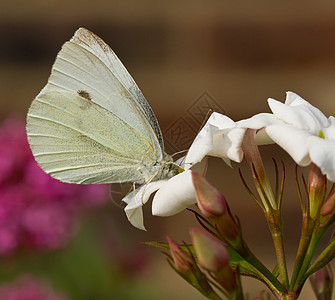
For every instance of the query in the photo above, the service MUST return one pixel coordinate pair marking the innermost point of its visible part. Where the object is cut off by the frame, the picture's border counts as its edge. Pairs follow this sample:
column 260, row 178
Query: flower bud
column 181, row 258
column 328, row 209
column 186, row 266
column 213, row 205
column 213, row 256
column 316, row 189
column 211, row 202
column 322, row 283
column 211, row 252
column 256, row 165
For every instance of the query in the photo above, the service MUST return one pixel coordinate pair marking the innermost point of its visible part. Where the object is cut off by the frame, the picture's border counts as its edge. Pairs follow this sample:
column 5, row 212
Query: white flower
column 305, row 133
column 220, row 137
column 173, row 196
column 301, row 129
column 177, row 194
column 136, row 199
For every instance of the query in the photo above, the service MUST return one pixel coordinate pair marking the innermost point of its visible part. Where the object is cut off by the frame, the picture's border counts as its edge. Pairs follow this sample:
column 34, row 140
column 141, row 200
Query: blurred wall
column 241, row 53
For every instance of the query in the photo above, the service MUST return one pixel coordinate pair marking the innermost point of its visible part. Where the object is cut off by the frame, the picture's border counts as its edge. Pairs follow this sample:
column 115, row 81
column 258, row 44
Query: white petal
column 329, row 132
column 262, row 138
column 331, row 121
column 294, row 141
column 322, row 153
column 219, row 137
column 303, row 116
column 258, row 121
column 227, row 144
column 293, row 99
column 200, row 167
column 137, row 199
column 200, row 147
column 176, row 195
column 220, row 121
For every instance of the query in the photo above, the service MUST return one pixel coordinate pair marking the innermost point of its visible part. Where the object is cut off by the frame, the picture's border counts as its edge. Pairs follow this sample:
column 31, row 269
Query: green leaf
column 237, row 262
column 160, row 245
column 326, row 256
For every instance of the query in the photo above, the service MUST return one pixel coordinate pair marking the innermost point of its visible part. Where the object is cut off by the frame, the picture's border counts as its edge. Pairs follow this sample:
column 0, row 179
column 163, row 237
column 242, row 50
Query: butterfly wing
column 99, row 48
column 76, row 140
column 79, row 71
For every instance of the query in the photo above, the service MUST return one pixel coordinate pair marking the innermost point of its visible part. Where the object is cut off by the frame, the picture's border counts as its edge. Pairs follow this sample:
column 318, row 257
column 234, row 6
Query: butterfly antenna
column 116, row 193
column 146, row 184
column 176, row 153
column 209, row 112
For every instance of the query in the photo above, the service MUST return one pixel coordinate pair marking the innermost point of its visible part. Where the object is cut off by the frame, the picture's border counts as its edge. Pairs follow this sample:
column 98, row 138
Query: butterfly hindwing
column 77, row 141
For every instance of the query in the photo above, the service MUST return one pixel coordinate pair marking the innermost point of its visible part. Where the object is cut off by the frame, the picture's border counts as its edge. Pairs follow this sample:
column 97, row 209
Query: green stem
column 239, row 292
column 199, row 281
column 306, row 235
column 275, row 225
column 316, row 236
column 263, row 272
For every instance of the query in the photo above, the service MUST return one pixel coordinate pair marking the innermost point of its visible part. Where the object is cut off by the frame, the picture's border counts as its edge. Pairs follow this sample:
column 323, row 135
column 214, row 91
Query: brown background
column 240, row 52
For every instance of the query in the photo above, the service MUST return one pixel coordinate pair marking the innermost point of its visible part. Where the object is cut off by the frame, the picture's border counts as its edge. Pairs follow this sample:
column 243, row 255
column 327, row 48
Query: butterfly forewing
column 99, row 48
column 78, row 71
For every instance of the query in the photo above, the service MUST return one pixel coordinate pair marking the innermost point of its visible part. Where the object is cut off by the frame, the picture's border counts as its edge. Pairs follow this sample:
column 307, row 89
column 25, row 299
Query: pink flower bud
column 213, row 256
column 210, row 201
column 181, row 258
column 328, row 209
column 316, row 188
column 213, row 205
column 322, row 283
column 211, row 252
column 186, row 266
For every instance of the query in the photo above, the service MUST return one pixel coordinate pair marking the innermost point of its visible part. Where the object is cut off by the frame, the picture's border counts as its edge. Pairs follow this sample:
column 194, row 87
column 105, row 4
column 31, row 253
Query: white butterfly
column 91, row 124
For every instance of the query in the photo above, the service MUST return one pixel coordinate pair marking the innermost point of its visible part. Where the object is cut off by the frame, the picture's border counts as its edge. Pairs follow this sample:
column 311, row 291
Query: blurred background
column 235, row 53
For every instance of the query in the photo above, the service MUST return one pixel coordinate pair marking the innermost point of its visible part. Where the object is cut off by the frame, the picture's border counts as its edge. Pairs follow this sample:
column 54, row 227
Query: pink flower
column 36, row 211
column 28, row 288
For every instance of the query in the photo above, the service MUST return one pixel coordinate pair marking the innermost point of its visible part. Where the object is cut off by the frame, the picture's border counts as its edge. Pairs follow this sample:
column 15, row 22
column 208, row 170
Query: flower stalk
column 306, row 235
column 271, row 208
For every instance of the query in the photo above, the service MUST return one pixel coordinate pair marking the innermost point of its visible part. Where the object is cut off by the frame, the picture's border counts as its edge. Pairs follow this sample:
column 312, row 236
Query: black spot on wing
column 84, row 94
